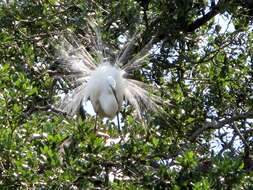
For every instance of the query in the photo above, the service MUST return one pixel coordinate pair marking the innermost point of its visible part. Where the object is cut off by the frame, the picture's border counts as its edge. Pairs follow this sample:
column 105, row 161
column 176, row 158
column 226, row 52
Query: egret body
column 103, row 83
column 106, row 90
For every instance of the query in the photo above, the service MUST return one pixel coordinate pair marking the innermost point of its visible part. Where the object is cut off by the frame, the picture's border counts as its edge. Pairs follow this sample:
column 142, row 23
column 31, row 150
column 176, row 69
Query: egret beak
column 115, row 96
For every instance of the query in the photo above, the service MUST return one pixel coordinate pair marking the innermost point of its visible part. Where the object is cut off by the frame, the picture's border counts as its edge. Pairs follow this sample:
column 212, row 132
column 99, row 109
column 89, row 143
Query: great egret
column 103, row 82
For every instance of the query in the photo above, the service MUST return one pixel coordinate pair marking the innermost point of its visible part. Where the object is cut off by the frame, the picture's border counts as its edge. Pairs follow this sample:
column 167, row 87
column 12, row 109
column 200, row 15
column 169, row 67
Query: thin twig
column 237, row 131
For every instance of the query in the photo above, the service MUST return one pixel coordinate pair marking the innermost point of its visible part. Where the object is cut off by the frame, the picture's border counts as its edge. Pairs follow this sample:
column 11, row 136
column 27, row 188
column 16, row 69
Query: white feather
column 100, row 89
column 103, row 83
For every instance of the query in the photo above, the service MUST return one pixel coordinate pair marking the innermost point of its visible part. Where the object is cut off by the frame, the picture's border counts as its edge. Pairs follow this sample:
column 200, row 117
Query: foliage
column 203, row 69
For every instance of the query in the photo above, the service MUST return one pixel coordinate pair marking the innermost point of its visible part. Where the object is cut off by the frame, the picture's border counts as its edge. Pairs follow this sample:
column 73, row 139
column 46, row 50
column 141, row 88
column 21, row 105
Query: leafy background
column 202, row 68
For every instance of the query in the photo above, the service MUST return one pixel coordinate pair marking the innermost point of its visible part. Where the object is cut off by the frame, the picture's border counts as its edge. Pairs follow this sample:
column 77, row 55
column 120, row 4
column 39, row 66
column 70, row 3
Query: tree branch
column 237, row 131
column 227, row 145
column 216, row 9
column 220, row 124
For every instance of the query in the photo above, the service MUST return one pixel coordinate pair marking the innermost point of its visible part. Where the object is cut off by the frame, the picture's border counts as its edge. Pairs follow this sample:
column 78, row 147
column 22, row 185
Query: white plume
column 100, row 80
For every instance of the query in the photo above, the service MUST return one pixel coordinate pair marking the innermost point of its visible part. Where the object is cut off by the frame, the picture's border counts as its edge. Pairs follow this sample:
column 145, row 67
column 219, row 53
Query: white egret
column 102, row 82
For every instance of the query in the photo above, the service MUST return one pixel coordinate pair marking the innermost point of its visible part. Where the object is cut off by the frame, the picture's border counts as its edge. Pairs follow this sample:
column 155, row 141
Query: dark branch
column 237, row 131
column 220, row 124
column 216, row 9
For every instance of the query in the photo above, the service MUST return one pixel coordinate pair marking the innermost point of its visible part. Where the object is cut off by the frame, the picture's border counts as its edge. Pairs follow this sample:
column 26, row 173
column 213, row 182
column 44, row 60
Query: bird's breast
column 105, row 105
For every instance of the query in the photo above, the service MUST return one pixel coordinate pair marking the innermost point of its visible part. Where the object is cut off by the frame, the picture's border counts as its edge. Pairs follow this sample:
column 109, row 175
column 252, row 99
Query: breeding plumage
column 102, row 82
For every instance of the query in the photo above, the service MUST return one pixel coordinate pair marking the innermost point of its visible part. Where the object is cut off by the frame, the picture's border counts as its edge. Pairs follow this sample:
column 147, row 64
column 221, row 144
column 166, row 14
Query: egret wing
column 72, row 101
column 76, row 61
column 137, row 94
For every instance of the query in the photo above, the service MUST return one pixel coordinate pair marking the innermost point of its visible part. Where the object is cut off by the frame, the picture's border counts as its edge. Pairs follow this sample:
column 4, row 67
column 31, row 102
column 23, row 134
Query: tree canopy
column 200, row 62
